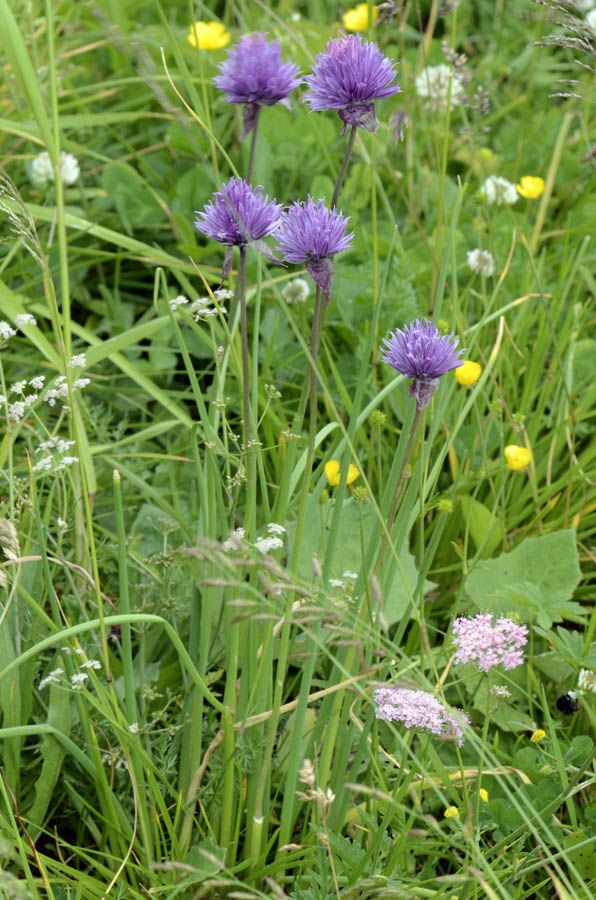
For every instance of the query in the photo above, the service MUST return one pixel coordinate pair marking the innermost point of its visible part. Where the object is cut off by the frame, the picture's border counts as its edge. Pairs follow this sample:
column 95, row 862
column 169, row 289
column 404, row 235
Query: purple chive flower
column 254, row 74
column 349, row 76
column 312, row 234
column 419, row 709
column 238, row 215
column 478, row 641
column 421, row 352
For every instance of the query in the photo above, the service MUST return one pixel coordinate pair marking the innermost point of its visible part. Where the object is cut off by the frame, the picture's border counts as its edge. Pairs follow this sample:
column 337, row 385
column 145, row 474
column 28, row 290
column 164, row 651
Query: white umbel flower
column 433, row 85
column 499, row 191
column 591, row 19
column 481, row 262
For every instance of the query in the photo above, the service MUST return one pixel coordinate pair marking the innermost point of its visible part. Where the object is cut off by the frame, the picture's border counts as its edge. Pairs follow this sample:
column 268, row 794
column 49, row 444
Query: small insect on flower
column 530, row 186
column 208, row 35
column 517, row 458
column 332, row 472
column 568, row 703
column 357, row 19
column 468, row 373
column 452, row 812
column 538, row 735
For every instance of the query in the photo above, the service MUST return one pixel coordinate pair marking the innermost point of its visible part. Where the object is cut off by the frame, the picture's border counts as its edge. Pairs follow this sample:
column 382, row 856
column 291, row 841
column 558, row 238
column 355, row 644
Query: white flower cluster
column 59, row 391
column 6, row 331
column 25, row 319
column 343, row 581
column 78, row 361
column 56, row 459
column 296, row 291
column 203, row 307
column 499, row 191
column 264, row 544
column 591, row 19
column 433, row 85
column 42, row 171
column 78, row 680
column 52, row 678
column 481, row 262
column 16, row 410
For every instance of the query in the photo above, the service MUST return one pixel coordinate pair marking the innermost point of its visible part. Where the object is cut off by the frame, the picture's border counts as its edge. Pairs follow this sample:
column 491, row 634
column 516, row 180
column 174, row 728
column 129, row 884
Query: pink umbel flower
column 420, row 710
column 486, row 645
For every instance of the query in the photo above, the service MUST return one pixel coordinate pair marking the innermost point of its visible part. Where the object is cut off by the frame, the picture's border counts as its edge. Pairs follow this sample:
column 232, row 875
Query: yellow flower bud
column 517, row 458
column 357, row 19
column 538, row 735
column 332, row 472
column 468, row 373
column 483, row 794
column 530, row 186
column 452, row 812
column 208, row 35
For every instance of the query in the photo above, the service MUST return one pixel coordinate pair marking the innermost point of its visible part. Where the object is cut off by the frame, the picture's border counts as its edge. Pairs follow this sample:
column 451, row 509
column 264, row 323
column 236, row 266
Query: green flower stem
column 130, row 704
column 247, row 434
column 253, row 145
column 344, row 166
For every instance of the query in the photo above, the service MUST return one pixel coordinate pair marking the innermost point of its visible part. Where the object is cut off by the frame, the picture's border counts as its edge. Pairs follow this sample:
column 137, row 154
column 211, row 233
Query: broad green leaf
column 536, row 580
column 485, row 528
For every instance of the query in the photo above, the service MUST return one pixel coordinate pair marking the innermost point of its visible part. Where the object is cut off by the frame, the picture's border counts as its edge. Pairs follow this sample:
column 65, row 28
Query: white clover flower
column 265, row 544
column 69, row 168
column 78, row 361
column 481, row 262
column 52, row 678
column 433, row 85
column 586, row 680
column 274, row 528
column 25, row 319
column 296, row 291
column 6, row 331
column 37, row 382
column 499, row 191
column 42, row 171
column 180, row 300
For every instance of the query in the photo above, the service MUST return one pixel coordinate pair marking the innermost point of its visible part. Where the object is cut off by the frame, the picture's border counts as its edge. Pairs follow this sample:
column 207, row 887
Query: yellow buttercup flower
column 332, row 472
column 530, row 186
column 468, row 373
column 538, row 735
column 452, row 812
column 517, row 458
column 208, row 35
column 483, row 794
column 357, row 19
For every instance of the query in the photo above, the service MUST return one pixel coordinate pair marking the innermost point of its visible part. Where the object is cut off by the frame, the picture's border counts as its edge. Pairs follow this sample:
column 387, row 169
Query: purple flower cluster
column 311, row 233
column 419, row 709
column 255, row 75
column 238, row 215
column 486, row 645
column 421, row 352
column 349, row 76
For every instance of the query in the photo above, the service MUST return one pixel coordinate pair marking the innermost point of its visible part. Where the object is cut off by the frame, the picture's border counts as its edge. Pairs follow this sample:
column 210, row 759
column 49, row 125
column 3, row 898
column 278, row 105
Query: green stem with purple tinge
column 253, row 144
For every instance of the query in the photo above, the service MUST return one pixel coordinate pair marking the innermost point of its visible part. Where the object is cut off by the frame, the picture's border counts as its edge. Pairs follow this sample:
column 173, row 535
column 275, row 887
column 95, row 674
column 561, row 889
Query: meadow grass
column 196, row 609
